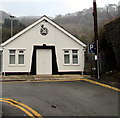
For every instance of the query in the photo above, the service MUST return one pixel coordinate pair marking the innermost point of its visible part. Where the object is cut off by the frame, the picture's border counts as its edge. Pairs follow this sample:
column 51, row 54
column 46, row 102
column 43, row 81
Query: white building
column 43, row 48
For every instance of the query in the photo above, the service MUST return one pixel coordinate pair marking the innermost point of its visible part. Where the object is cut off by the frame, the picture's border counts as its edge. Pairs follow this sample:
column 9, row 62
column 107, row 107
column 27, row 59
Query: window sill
column 76, row 64
column 71, row 64
column 67, row 64
column 18, row 65
column 12, row 65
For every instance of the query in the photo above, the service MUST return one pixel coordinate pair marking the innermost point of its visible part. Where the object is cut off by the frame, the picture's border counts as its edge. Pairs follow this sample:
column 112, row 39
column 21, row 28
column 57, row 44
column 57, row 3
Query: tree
column 6, row 28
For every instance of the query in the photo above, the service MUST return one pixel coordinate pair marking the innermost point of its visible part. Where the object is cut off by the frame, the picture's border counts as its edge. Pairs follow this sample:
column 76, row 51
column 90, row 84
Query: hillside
column 3, row 15
column 80, row 23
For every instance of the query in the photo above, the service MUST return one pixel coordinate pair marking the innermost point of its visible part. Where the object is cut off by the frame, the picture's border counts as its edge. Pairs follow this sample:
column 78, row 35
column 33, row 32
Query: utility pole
column 96, row 39
column 11, row 17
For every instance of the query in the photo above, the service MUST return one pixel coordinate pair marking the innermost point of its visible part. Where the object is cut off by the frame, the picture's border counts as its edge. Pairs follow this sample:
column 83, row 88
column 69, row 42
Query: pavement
column 41, row 77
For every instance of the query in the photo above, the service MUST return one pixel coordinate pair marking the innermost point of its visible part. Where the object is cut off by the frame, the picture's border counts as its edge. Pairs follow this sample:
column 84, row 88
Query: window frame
column 77, row 56
column 71, row 56
column 19, row 54
column 16, row 56
column 64, row 57
column 12, row 54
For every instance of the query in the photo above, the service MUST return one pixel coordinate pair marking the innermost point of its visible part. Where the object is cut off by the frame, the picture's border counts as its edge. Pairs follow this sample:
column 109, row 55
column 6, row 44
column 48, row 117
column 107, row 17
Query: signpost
column 96, row 39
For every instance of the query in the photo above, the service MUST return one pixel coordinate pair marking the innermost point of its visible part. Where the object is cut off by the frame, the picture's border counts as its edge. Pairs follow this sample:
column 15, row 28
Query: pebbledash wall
column 43, row 35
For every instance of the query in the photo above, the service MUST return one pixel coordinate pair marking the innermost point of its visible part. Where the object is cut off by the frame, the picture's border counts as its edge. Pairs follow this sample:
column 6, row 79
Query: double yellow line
column 28, row 110
column 86, row 80
column 101, row 84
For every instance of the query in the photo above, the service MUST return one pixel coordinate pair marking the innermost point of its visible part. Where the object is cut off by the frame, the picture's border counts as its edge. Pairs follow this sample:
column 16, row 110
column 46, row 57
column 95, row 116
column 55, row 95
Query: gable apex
column 44, row 18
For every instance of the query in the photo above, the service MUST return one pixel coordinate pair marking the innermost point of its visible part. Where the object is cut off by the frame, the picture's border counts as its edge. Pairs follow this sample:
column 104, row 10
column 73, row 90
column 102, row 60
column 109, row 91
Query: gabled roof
column 37, row 22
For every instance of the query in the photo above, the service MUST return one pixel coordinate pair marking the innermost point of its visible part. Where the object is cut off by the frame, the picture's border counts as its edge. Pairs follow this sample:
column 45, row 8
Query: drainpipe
column 3, row 65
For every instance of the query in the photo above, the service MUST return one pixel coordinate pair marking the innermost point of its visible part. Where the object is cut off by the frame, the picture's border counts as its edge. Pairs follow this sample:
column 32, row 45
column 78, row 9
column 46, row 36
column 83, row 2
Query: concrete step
column 42, row 77
column 60, row 76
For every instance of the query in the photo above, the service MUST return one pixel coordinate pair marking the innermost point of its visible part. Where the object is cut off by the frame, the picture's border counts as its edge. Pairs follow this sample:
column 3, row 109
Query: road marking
column 67, row 80
column 23, row 106
column 104, row 85
column 28, row 113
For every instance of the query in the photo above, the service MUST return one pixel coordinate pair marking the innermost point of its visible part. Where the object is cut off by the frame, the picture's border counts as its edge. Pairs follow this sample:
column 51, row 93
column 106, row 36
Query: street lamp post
column 96, row 39
column 11, row 17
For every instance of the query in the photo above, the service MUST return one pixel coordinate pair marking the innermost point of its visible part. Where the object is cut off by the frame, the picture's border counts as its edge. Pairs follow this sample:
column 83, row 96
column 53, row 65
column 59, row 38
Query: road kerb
column 49, row 80
column 101, row 84
column 57, row 80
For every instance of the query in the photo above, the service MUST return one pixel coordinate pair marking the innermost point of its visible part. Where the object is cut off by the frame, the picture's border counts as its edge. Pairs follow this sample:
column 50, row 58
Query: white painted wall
column 33, row 37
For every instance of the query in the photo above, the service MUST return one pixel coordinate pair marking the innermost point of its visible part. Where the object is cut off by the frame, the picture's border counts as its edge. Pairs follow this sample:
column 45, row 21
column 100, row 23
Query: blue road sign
column 91, row 48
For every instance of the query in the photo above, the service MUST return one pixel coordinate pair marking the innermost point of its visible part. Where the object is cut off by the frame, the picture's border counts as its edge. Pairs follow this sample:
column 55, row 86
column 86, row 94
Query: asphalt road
column 77, row 98
column 9, row 110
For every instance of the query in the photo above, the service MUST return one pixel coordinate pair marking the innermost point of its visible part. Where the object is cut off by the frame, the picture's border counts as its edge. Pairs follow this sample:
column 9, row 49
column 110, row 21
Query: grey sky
column 48, row 7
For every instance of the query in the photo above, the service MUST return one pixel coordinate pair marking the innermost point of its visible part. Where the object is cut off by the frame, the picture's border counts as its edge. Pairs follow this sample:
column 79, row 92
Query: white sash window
column 66, row 56
column 21, row 57
column 16, row 56
column 12, row 54
column 74, row 56
column 71, row 57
